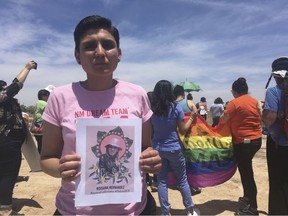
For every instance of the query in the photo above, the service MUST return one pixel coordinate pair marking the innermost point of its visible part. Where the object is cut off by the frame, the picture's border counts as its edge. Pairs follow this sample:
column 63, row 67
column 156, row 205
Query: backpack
column 285, row 125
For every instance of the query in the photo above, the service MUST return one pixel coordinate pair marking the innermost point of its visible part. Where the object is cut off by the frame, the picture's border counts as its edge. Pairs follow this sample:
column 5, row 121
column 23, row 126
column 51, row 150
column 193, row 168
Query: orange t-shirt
column 245, row 119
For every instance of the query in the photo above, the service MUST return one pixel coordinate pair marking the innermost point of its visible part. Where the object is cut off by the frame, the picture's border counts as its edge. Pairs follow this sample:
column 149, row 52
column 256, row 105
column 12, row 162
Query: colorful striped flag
column 209, row 154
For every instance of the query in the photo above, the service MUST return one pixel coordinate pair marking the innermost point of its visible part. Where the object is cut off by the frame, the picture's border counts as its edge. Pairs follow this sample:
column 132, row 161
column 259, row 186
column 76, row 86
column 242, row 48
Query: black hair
column 203, row 99
column 149, row 94
column 43, row 93
column 162, row 98
column 2, row 84
column 218, row 100
column 94, row 22
column 240, row 86
column 189, row 96
column 178, row 91
column 277, row 65
column 280, row 64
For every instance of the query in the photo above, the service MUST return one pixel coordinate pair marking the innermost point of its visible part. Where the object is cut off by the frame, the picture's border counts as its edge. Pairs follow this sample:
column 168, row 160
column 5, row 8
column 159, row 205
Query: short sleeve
column 52, row 110
column 272, row 99
column 181, row 112
column 146, row 110
column 230, row 109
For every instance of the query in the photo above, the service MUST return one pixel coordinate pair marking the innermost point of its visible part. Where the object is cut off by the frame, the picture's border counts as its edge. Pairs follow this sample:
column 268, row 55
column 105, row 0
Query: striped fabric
column 209, row 154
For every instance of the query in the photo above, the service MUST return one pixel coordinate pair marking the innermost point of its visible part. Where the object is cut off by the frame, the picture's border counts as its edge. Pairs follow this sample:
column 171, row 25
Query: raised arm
column 17, row 84
column 21, row 77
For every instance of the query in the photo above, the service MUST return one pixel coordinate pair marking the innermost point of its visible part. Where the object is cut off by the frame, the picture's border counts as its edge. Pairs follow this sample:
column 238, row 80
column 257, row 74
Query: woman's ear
column 77, row 56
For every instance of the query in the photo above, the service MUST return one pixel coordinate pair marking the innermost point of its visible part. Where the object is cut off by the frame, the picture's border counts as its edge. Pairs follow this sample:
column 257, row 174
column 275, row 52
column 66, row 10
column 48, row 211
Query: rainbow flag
column 209, row 154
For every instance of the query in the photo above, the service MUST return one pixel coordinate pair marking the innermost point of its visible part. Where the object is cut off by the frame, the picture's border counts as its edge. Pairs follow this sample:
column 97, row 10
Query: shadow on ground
column 213, row 207
column 18, row 204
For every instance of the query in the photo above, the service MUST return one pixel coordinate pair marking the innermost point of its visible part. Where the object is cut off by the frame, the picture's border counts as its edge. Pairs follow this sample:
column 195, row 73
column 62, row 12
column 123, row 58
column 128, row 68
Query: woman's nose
column 99, row 51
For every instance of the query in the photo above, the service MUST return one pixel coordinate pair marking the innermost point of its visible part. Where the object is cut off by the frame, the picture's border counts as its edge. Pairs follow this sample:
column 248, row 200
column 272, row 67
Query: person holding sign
column 97, row 50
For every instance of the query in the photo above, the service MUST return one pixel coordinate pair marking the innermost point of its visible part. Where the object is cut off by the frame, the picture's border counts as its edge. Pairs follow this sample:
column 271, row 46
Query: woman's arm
column 260, row 107
column 150, row 161
column 182, row 126
column 21, row 77
column 52, row 145
column 268, row 117
column 13, row 89
column 224, row 118
column 146, row 134
column 66, row 167
column 192, row 106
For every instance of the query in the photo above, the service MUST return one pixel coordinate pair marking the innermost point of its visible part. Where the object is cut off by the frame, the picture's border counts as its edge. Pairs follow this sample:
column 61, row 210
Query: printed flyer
column 110, row 151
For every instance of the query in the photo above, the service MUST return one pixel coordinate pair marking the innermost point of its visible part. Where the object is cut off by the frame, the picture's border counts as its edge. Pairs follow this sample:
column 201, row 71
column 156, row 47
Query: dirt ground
column 37, row 195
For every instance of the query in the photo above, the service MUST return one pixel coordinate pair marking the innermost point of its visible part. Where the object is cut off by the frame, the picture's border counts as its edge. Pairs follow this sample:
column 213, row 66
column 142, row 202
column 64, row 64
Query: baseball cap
column 280, row 67
column 50, row 88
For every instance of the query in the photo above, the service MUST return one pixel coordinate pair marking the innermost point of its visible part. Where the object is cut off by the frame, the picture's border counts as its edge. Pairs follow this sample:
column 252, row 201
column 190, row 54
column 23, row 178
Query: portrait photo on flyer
column 110, row 151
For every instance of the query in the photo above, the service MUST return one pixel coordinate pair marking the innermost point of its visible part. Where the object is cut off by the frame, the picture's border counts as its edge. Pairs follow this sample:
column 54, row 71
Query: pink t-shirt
column 72, row 101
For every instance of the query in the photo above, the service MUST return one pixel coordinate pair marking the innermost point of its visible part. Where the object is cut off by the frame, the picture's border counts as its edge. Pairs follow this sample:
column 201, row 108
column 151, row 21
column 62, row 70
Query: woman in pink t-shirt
column 97, row 51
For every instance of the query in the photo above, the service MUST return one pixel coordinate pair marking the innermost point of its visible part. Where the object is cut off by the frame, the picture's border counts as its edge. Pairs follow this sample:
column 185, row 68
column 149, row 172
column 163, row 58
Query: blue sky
column 209, row 42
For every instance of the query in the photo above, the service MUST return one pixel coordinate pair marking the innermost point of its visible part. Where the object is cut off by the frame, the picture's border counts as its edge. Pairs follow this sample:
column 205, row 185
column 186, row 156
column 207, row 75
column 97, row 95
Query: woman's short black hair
column 2, row 84
column 43, row 93
column 240, row 86
column 94, row 22
column 218, row 100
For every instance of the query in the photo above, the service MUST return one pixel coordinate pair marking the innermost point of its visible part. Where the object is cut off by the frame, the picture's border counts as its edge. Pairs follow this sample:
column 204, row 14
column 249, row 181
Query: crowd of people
column 97, row 51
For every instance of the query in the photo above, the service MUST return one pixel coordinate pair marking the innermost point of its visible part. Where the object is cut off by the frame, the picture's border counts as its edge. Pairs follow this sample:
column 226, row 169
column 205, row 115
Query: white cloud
column 209, row 42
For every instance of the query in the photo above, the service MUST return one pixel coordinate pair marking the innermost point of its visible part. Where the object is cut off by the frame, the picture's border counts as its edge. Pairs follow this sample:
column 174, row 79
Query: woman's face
column 98, row 53
column 112, row 150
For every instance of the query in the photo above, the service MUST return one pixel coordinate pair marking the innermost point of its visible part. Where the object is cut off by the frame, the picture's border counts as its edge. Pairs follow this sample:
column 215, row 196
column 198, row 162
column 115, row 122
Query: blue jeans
column 175, row 161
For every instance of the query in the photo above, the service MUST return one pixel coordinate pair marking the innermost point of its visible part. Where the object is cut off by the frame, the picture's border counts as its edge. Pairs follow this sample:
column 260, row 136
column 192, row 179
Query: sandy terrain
column 37, row 196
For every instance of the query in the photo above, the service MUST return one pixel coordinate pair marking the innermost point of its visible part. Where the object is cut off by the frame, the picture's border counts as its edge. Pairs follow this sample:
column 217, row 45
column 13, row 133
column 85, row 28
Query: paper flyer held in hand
column 110, row 151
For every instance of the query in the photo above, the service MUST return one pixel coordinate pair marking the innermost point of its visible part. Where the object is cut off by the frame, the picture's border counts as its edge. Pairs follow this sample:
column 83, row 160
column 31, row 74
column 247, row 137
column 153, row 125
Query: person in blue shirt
column 187, row 105
column 167, row 117
column 274, row 117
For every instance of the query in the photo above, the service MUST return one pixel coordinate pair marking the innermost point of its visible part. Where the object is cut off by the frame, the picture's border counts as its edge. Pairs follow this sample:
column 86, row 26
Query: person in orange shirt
column 244, row 118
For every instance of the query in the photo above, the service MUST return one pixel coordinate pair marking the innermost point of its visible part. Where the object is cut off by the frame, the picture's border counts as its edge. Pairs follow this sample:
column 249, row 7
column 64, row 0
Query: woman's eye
column 90, row 46
column 107, row 45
